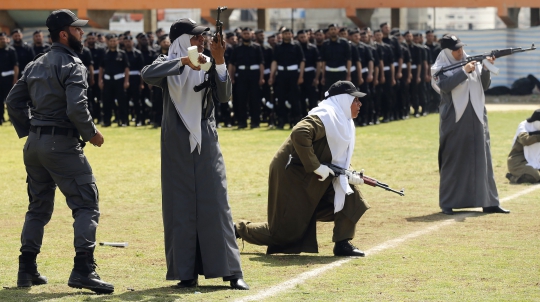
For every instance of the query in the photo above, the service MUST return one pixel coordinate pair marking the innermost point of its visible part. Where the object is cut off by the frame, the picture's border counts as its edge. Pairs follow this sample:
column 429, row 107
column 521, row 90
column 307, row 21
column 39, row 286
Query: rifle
column 497, row 53
column 210, row 75
column 367, row 180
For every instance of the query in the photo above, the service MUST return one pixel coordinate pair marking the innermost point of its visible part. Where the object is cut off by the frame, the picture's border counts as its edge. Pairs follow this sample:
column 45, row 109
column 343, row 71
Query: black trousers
column 422, row 96
column 133, row 94
column 157, row 106
column 332, row 77
column 59, row 160
column 248, row 97
column 366, row 111
column 413, row 91
column 287, row 89
column 114, row 90
column 267, row 96
column 94, row 99
column 387, row 95
column 309, row 95
column 6, row 83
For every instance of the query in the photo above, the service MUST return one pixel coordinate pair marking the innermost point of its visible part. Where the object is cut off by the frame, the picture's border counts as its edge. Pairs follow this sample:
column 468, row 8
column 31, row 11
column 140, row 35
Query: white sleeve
column 222, row 72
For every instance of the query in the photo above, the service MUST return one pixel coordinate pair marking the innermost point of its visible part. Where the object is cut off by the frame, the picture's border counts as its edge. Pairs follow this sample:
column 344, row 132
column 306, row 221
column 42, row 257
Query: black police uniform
column 433, row 97
column 94, row 92
column 288, row 57
column 364, row 52
column 422, row 88
column 45, row 47
column 385, row 90
column 25, row 55
column 416, row 66
column 133, row 93
column 355, row 59
column 267, row 113
column 149, row 55
column 247, row 58
column 8, row 61
column 397, row 54
column 335, row 54
column 114, row 64
column 401, row 105
column 309, row 94
column 373, row 97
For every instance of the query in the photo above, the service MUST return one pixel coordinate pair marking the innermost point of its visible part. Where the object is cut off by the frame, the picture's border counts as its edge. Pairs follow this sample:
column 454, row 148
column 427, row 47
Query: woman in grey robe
column 466, row 171
column 199, row 232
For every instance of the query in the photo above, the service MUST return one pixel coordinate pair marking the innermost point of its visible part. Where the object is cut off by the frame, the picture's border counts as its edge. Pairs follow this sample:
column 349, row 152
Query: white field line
column 291, row 283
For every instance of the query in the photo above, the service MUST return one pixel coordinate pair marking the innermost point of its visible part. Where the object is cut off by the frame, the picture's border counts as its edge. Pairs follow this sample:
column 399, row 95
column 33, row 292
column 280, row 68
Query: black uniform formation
column 277, row 79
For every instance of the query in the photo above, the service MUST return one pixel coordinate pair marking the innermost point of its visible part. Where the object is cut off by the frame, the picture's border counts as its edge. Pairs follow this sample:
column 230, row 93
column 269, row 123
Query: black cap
column 128, row 38
column 395, row 31
column 429, row 31
column 246, row 29
column 343, row 29
column 417, row 35
column 300, row 32
column 229, row 35
column 407, row 32
column 451, row 42
column 319, row 31
column 332, row 25
column 376, row 31
column 16, row 30
column 285, row 30
column 535, row 116
column 343, row 87
column 259, row 31
column 63, row 17
column 111, row 36
column 127, row 33
column 139, row 35
column 186, row 26
column 354, row 31
column 37, row 32
column 90, row 34
column 271, row 36
column 383, row 24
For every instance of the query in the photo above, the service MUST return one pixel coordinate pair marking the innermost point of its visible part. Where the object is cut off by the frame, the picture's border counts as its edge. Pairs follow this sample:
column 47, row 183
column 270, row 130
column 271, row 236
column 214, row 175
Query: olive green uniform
column 517, row 164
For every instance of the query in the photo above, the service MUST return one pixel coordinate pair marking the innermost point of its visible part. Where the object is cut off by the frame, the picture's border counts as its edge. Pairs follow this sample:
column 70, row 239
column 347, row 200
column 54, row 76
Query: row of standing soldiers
column 276, row 82
column 280, row 81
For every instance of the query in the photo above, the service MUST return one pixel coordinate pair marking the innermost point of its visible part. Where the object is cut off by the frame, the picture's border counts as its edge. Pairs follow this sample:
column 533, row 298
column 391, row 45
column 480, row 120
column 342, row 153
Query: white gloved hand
column 355, row 179
column 288, row 105
column 323, row 171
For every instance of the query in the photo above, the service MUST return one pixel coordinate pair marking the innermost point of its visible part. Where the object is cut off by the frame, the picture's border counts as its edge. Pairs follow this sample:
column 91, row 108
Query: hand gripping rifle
column 210, row 75
column 497, row 53
column 367, row 180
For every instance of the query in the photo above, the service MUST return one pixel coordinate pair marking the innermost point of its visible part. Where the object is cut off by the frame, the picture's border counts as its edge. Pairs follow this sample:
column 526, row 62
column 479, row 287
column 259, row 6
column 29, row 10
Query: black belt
column 55, row 130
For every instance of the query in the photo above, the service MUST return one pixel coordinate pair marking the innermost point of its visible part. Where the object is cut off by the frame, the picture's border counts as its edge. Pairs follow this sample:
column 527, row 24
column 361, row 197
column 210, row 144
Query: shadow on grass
column 458, row 216
column 165, row 293
column 290, row 260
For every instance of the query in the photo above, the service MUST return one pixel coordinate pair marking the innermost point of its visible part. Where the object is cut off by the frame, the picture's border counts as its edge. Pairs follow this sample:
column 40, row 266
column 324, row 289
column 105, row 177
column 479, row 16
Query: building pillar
column 509, row 16
column 394, row 17
column 360, row 17
column 150, row 20
column 6, row 22
column 263, row 19
column 535, row 16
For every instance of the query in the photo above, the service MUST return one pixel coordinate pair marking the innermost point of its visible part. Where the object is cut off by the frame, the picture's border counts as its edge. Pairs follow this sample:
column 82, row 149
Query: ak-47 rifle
column 210, row 75
column 497, row 53
column 367, row 180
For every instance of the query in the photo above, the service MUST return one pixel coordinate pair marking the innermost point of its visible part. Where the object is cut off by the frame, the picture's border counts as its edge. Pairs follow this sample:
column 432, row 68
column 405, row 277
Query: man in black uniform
column 9, row 71
column 289, row 64
column 247, row 62
column 387, row 77
column 397, row 62
column 356, row 63
column 402, row 107
column 86, row 58
column 366, row 61
column 94, row 92
column 372, row 100
column 114, row 81
column 133, row 93
column 309, row 93
column 25, row 53
column 422, row 88
column 59, row 116
column 435, row 49
column 267, row 102
column 164, row 43
column 319, row 41
column 336, row 58
column 416, row 69
column 39, row 46
column 149, row 55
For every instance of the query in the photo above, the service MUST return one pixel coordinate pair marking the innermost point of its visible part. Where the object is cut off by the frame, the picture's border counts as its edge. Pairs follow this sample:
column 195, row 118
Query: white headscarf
column 532, row 152
column 335, row 114
column 469, row 89
column 185, row 99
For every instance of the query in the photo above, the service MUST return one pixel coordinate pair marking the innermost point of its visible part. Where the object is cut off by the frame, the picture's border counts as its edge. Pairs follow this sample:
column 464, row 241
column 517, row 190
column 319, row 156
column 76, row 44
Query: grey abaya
column 465, row 166
column 199, row 232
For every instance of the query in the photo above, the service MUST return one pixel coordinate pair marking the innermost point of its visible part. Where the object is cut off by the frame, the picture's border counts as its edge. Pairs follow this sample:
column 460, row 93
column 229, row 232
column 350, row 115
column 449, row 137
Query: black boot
column 84, row 275
column 345, row 248
column 188, row 283
column 239, row 284
column 28, row 274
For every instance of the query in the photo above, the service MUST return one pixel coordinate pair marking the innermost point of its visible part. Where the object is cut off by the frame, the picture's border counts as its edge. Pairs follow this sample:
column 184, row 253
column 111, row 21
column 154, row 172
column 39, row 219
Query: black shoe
column 495, row 209
column 239, row 284
column 188, row 283
column 345, row 248
column 509, row 176
column 447, row 211
column 28, row 274
column 84, row 275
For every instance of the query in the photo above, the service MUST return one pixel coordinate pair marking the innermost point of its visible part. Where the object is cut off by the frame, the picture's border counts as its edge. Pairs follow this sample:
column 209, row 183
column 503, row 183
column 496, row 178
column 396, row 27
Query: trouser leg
column 157, row 106
column 134, row 94
column 293, row 96
column 241, row 98
column 254, row 99
column 108, row 96
column 256, row 233
column 422, row 97
column 97, row 99
column 280, row 97
column 123, row 105
column 344, row 228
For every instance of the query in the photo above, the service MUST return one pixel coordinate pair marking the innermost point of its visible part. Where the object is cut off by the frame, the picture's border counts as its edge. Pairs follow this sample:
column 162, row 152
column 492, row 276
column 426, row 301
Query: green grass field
column 477, row 258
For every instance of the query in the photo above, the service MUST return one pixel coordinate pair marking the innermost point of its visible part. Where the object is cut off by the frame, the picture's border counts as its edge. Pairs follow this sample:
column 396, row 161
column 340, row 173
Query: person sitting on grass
column 524, row 158
column 300, row 192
